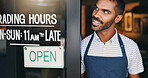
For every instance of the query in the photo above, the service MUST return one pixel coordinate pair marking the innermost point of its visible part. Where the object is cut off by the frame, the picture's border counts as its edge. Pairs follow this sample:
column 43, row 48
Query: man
column 105, row 53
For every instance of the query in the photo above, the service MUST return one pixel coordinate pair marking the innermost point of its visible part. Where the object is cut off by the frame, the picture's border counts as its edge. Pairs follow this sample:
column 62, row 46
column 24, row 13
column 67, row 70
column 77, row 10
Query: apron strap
column 88, row 46
column 121, row 45
column 86, row 51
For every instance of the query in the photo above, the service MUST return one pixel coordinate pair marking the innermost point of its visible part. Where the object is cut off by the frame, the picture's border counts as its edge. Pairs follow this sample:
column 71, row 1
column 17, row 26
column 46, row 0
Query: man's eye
column 106, row 12
column 96, row 8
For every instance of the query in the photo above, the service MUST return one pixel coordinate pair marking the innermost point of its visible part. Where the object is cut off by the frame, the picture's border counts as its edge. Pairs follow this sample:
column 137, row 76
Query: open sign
column 43, row 57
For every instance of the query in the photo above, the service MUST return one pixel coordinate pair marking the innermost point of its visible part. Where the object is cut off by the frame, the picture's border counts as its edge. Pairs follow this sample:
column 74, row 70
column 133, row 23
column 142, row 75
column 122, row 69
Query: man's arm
column 134, row 76
column 135, row 63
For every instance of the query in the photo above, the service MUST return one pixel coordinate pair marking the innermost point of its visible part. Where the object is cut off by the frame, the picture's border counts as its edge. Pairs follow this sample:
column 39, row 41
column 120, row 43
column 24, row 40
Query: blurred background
column 133, row 25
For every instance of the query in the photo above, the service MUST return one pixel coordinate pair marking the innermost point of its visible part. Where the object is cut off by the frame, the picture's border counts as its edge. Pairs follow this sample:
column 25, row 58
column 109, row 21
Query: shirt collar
column 113, row 39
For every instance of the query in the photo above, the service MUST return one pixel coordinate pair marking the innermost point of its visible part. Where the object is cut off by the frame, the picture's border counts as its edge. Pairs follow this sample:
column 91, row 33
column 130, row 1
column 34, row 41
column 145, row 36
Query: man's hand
column 82, row 75
column 134, row 76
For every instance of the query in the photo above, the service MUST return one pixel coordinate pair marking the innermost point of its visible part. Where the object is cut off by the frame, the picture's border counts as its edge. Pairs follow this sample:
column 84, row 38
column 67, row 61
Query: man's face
column 103, row 15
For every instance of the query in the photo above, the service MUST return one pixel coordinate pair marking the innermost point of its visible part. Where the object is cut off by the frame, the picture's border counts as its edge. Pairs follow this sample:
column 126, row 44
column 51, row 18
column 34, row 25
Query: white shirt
column 112, row 49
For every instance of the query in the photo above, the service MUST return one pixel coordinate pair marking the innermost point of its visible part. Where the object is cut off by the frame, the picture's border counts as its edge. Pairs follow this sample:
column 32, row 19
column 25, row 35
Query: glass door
column 42, row 25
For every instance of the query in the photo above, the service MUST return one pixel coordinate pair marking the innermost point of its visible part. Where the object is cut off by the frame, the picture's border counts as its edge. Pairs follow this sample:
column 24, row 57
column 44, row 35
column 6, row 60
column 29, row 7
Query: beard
column 103, row 25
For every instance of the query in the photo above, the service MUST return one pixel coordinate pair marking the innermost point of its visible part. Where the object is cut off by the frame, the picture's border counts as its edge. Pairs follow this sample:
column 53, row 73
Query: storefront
column 43, row 39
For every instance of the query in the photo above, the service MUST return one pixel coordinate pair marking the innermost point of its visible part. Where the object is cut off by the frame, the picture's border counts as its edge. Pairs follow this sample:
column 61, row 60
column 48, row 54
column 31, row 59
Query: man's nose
column 97, row 14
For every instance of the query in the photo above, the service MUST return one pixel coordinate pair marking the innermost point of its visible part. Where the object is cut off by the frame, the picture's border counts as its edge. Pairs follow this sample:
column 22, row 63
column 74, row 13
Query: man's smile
column 95, row 22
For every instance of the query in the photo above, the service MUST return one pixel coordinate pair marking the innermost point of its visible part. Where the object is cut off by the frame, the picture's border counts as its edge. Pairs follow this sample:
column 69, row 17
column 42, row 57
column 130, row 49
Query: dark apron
column 106, row 67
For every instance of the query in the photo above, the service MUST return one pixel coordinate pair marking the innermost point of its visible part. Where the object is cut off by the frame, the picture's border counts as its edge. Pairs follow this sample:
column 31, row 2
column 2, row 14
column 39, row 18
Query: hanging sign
column 43, row 56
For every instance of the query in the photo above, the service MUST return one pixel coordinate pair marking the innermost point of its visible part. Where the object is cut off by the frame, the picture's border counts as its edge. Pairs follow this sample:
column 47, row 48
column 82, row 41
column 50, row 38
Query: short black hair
column 120, row 6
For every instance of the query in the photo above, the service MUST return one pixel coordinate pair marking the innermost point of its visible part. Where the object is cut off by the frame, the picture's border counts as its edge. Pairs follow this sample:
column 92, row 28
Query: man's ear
column 118, row 18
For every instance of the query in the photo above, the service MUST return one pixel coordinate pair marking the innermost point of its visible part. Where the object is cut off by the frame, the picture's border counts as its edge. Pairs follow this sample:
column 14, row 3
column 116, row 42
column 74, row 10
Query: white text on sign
column 27, row 35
